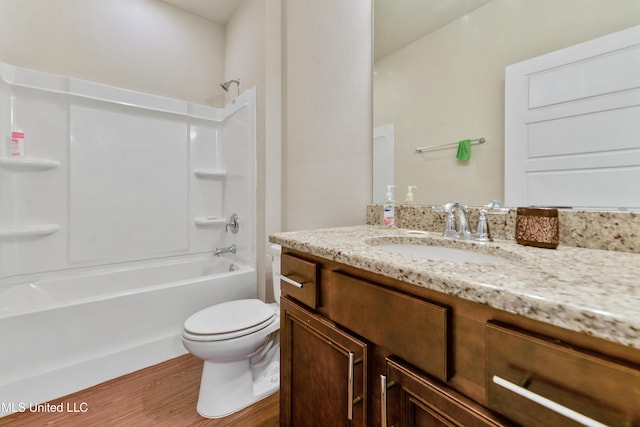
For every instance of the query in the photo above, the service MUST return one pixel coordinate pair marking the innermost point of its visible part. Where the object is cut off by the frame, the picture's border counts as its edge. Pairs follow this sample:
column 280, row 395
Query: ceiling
column 400, row 22
column 397, row 22
column 218, row 11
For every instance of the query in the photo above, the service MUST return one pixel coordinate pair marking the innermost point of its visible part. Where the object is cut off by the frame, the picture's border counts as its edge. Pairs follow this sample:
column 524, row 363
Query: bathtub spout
column 231, row 249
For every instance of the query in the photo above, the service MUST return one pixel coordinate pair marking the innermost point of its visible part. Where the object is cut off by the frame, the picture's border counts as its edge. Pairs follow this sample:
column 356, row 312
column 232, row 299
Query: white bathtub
column 67, row 331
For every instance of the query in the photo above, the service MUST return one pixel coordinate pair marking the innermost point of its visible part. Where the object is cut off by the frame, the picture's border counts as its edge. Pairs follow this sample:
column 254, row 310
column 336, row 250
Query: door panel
column 323, row 372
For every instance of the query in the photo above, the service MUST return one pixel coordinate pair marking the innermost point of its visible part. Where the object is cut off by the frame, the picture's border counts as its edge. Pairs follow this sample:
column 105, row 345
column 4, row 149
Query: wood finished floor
column 162, row 395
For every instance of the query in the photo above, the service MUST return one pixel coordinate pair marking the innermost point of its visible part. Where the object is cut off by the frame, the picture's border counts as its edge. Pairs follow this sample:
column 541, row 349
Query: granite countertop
column 584, row 290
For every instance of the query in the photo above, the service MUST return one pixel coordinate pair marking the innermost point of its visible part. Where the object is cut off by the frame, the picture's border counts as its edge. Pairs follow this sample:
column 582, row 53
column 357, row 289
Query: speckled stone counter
column 608, row 230
column 584, row 290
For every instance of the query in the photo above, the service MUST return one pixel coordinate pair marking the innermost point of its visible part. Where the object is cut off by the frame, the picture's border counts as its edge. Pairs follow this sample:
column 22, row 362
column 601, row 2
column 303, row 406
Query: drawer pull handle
column 291, row 281
column 350, row 387
column 383, row 405
column 549, row 404
column 383, row 393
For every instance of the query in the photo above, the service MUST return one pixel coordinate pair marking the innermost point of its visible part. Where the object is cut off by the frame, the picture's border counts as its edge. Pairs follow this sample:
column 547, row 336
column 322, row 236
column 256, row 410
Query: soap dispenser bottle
column 409, row 197
column 389, row 214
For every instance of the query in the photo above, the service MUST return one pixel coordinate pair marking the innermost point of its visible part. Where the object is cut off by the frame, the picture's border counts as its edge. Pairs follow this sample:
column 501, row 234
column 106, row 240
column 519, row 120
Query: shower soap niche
column 27, row 231
column 28, row 165
column 207, row 221
column 209, row 174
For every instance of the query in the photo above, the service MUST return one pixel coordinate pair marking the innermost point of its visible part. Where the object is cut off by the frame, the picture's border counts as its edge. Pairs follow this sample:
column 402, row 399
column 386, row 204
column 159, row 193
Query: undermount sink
column 441, row 253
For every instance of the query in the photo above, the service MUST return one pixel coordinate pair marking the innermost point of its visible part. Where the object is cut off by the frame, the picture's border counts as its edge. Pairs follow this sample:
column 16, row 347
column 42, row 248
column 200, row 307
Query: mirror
column 439, row 78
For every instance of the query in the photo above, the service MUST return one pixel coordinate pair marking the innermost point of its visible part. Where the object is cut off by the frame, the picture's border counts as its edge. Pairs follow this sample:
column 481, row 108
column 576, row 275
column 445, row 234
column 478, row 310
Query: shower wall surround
column 111, row 175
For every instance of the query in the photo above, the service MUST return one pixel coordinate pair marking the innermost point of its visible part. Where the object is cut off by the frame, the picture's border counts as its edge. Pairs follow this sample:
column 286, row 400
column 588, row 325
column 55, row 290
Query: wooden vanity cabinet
column 361, row 330
column 438, row 355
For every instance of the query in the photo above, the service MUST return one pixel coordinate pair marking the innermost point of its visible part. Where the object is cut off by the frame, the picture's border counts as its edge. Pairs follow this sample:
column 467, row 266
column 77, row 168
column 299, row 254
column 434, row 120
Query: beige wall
column 252, row 54
column 273, row 129
column 314, row 111
column 245, row 49
column 244, row 59
column 143, row 45
column 449, row 86
column 327, row 111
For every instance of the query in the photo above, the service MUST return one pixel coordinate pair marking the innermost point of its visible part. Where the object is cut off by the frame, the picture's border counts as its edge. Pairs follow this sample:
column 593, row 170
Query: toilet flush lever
column 233, row 224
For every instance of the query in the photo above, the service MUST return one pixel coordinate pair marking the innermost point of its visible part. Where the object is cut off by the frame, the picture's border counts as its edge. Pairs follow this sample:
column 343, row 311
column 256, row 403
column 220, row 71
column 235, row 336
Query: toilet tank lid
column 228, row 317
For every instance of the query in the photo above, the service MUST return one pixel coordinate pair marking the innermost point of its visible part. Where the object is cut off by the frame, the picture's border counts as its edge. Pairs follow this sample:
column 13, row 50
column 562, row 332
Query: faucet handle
column 233, row 224
column 494, row 207
column 482, row 233
column 450, row 226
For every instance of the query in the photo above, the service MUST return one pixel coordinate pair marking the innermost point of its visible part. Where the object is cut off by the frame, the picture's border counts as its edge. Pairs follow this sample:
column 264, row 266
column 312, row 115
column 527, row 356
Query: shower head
column 225, row 85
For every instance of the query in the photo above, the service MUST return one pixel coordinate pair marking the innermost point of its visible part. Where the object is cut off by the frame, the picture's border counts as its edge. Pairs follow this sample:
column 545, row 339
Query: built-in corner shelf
column 28, row 165
column 208, row 221
column 209, row 174
column 25, row 231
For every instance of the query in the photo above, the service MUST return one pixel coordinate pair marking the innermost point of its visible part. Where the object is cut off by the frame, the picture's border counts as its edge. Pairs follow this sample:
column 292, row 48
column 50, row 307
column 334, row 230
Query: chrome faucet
column 231, row 249
column 457, row 226
column 457, row 229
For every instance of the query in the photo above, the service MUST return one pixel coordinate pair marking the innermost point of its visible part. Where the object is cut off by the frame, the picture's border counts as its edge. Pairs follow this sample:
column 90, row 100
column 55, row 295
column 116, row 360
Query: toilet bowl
column 239, row 342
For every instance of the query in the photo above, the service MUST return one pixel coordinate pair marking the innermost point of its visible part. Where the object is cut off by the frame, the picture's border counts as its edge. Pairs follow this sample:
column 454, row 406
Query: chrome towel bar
column 451, row 144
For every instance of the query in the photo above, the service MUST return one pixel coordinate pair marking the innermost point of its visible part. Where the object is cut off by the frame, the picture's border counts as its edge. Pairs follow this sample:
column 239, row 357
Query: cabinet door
column 323, row 372
column 410, row 399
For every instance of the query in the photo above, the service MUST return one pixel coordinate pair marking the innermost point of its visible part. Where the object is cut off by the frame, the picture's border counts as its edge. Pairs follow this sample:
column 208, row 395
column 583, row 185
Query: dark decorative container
column 537, row 227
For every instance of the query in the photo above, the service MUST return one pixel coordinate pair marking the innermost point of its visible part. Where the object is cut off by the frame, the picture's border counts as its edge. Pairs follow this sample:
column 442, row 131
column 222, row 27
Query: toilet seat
column 228, row 320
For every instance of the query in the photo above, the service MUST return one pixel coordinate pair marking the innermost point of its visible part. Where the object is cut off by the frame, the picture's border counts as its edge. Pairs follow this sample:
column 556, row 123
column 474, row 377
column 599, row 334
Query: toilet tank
column 276, row 251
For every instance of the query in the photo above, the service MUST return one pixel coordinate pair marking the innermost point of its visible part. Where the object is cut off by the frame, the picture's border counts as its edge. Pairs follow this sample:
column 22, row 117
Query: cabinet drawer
column 527, row 374
column 413, row 329
column 300, row 280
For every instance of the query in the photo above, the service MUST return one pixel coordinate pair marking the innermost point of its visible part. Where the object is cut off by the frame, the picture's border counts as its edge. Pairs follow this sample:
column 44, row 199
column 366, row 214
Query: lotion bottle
column 389, row 214
column 17, row 144
column 409, row 197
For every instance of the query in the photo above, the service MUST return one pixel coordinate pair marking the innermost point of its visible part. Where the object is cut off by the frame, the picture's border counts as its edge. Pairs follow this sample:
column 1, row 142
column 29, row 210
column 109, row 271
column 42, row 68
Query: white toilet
column 239, row 342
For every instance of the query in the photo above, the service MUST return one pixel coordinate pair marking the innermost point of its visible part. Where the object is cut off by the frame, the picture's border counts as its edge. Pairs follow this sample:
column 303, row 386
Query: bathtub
column 70, row 330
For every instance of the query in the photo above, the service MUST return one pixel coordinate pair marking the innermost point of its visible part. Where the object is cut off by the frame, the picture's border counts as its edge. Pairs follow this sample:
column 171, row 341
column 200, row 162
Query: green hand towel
column 464, row 150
